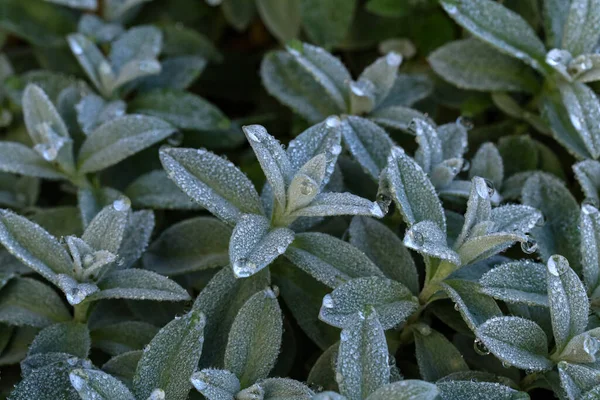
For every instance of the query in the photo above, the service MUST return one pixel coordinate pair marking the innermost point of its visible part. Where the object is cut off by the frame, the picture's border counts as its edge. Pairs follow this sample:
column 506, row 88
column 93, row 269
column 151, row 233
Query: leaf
column 91, row 59
column 517, row 282
column 19, row 159
column 472, row 64
column 284, row 389
column 181, row 109
column 559, row 235
column 395, row 117
column 175, row 73
column 282, row 19
column 33, row 246
column 47, row 383
column 254, row 245
column 327, row 23
column 590, row 252
column 458, row 390
column 436, row 356
column 328, row 259
column 386, row 250
column 28, row 302
column 68, row 337
column 216, row 384
column 577, row 379
column 255, row 338
column 142, row 42
column 216, row 184
column 406, row 390
column 517, row 342
column 474, row 307
column 381, row 74
column 499, row 27
column 407, row 90
column 97, row 385
column 330, row 204
column 138, row 284
column 577, row 37
column 569, row 306
column 106, row 230
column 171, row 358
column 122, row 337
column 116, row 9
column 238, row 13
column 427, row 238
column 411, row 190
column 123, row 366
column 393, row 302
column 120, row 138
column 583, row 107
column 171, row 254
column 555, row 13
column 362, row 364
column 137, row 234
column 487, row 163
column 155, row 190
column 587, row 173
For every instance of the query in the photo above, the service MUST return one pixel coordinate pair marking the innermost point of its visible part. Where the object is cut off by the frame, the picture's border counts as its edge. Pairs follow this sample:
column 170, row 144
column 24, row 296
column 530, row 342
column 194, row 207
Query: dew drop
column 356, row 89
column 333, row 121
column 466, row 165
column 424, row 330
column 76, row 48
column 563, row 365
column 244, row 268
column 590, row 345
column 198, row 382
column 336, row 149
column 122, row 204
column 252, row 136
column 529, row 246
column 75, row 296
column 481, row 188
column 384, row 201
column 272, row 292
column 105, row 69
column 465, row 122
column 72, row 361
column 393, row 59
column 576, row 121
column 175, row 139
column 555, row 57
column 480, row 348
column 344, row 336
column 157, row 394
column 77, row 381
column 557, row 265
column 456, row 307
column 588, row 208
column 338, row 377
column 541, row 221
column 415, row 239
column 506, row 364
column 307, row 187
column 328, row 301
column 281, row 249
column 490, row 187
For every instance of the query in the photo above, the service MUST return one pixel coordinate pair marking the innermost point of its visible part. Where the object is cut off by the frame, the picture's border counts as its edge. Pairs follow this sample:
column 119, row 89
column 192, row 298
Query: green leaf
column 407, row 90
column 517, row 282
column 68, row 337
column 171, row 358
column 123, row 337
column 284, row 389
column 589, row 226
column 255, row 338
column 97, row 385
column 47, row 383
column 555, row 13
column 155, row 190
column 19, row 159
column 282, row 18
column 141, row 42
column 500, row 27
column 381, row 74
column 140, row 225
column 328, row 259
column 216, row 384
column 577, row 379
column 123, row 366
column 171, row 254
column 474, row 307
column 330, row 204
column 487, row 163
column 460, row 390
column 426, row 238
column 517, row 342
column 436, row 356
column 175, row 73
column 25, row 301
column 393, row 302
column 238, row 13
column 569, row 305
column 362, row 364
column 181, row 109
column 118, row 139
column 92, row 61
column 216, row 184
column 254, row 245
column 106, row 230
column 385, row 249
column 578, row 36
column 395, row 117
column 472, row 64
column 588, row 175
column 582, row 348
column 406, row 390
column 327, row 23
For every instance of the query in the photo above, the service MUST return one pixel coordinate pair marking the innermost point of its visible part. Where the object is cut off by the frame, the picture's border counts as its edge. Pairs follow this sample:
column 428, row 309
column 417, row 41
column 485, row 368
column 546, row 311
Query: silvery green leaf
column 138, row 230
column 499, row 27
column 33, row 246
column 578, row 35
column 284, row 389
column 322, row 373
column 16, row 350
column 94, row 27
column 182, row 109
column 306, row 183
column 115, row 9
column 294, row 82
column 221, row 300
column 282, row 19
column 41, row 360
column 175, row 73
column 156, row 190
column 516, row 341
column 138, row 284
column 213, row 182
column 395, row 117
column 255, row 338
column 216, row 384
column 587, row 173
column 583, row 348
column 123, row 366
column 559, row 234
column 382, row 74
column 569, row 305
column 411, row 190
column 120, row 138
column 66, row 337
column 92, row 200
column 585, row 68
column 142, row 42
column 123, row 337
column 78, row 4
column 254, row 245
column 328, row 259
column 171, row 358
column 327, row 23
column 577, row 379
column 474, row 307
column 427, row 238
column 460, row 390
column 273, row 160
column 93, row 111
column 386, row 250
column 392, row 301
column 555, row 14
column 171, row 254
column 93, row 62
column 515, row 218
column 28, row 302
column 589, row 226
column 583, row 108
column 430, row 152
column 19, row 159
column 106, row 230
column 329, row 396
column 238, row 13
column 517, row 282
column 181, row 40
column 443, row 174
column 47, row 383
column 362, row 364
column 436, row 356
column 97, row 385
column 474, row 65
column 454, row 140
column 479, row 211
column 407, row 90
column 329, row 204
column 406, row 390
column 591, row 394
column 487, row 163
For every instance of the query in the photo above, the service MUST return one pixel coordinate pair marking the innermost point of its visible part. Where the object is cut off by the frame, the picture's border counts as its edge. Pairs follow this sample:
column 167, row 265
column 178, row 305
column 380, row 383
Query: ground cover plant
column 300, row 199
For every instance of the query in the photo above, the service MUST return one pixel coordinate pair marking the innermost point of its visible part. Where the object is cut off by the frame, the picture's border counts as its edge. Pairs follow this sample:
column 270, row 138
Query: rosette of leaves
column 506, row 55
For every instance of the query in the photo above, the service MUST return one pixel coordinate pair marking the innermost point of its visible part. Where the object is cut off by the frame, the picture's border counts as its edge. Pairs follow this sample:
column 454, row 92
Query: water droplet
column 541, row 221
column 252, row 136
column 456, row 307
column 104, row 68
column 413, row 128
column 563, row 365
column 465, row 122
column 272, row 292
column 506, row 364
column 333, row 121
column 356, row 89
column 122, row 204
column 480, row 348
column 281, row 249
column 75, row 296
column 590, row 345
column 557, row 265
column 490, row 187
column 328, row 301
column 393, row 59
column 424, row 330
column 157, row 394
column 576, row 121
column 466, row 165
column 451, row 9
column 588, row 208
column 198, row 382
column 76, row 47
column 481, row 188
column 308, row 187
column 175, row 139
column 344, row 336
column 384, row 201
column 529, row 246
column 556, row 57
column 415, row 239
column 338, row 377
column 88, row 260
column 72, row 361
column 244, row 268
column 77, row 381
column 336, row 149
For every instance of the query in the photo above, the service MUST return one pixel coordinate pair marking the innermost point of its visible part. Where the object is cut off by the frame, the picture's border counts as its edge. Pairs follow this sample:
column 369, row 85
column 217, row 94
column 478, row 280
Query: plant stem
column 80, row 312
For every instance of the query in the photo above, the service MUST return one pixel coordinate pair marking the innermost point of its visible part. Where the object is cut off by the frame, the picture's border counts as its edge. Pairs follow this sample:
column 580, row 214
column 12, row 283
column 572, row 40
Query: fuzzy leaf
column 395, row 117
column 137, row 234
column 427, row 238
column 578, row 36
column 577, row 379
column 97, row 385
column 216, row 384
column 19, row 159
column 47, row 383
column 327, row 23
column 588, row 175
column 583, row 108
column 284, row 389
column 474, row 307
column 487, row 163
column 406, row 390
column 436, row 356
column 123, row 337
column 68, row 337
column 282, row 19
column 138, row 43
column 517, row 282
column 155, row 190
column 90, row 58
column 330, row 204
column 590, row 250
column 459, row 390
column 105, row 231
column 123, row 366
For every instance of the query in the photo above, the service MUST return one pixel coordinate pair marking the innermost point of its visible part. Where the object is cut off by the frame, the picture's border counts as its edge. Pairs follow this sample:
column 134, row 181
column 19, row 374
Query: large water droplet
column 557, row 265
column 416, row 240
column 75, row 296
column 76, row 47
column 175, row 139
column 328, row 301
column 357, row 90
column 590, row 345
column 336, row 149
column 252, row 136
column 77, row 381
column 308, row 187
column 556, row 57
column 480, row 348
column 333, row 121
column 465, row 122
column 157, row 394
column 198, row 382
column 481, row 188
column 272, row 292
column 244, row 268
column 529, row 246
column 506, row 364
column 384, row 201
column 122, row 204
column 393, row 59
column 338, row 377
column 588, row 208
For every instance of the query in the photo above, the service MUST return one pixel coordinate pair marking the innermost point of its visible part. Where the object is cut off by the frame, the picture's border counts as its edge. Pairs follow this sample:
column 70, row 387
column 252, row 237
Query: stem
column 80, row 312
